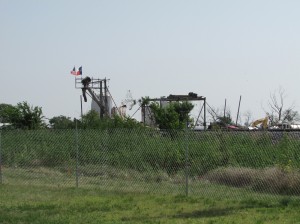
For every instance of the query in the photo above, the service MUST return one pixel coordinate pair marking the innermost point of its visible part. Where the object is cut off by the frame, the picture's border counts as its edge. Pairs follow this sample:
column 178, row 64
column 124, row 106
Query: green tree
column 224, row 121
column 220, row 119
column 61, row 122
column 9, row 113
column 22, row 116
column 92, row 120
column 144, row 101
column 29, row 117
column 173, row 116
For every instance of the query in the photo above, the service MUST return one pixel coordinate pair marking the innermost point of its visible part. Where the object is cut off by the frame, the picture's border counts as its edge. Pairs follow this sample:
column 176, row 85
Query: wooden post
column 237, row 116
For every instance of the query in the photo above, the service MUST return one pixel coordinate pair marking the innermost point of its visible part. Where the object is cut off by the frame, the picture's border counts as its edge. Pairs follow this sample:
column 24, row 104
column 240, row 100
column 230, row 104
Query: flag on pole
column 73, row 72
column 79, row 71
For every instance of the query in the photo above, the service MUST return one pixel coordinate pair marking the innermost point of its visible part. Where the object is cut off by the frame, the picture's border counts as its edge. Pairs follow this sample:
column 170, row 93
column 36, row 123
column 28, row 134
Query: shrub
column 271, row 180
column 232, row 176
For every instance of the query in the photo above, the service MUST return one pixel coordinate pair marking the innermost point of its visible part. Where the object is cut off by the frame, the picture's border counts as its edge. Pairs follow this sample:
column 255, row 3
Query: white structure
column 147, row 116
column 121, row 111
column 164, row 103
column 95, row 106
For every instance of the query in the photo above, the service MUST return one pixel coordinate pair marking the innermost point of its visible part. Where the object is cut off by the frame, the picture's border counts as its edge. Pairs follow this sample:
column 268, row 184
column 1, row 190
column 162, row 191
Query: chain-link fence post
column 77, row 154
column 0, row 158
column 186, row 162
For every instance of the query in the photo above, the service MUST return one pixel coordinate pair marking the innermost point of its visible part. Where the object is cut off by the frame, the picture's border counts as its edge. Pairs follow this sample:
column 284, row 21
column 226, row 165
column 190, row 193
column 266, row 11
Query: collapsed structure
column 147, row 115
column 102, row 101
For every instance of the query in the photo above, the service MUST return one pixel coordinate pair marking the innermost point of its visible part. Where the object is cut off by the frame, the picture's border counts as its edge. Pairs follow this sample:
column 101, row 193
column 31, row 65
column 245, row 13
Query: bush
column 271, row 180
column 232, row 176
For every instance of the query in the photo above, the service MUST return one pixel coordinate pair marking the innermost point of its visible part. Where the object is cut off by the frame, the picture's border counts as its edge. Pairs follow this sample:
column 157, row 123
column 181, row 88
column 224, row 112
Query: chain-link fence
column 221, row 163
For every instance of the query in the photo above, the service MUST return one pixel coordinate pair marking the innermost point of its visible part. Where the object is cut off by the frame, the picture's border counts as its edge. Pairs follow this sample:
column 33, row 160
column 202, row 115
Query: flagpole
column 81, row 107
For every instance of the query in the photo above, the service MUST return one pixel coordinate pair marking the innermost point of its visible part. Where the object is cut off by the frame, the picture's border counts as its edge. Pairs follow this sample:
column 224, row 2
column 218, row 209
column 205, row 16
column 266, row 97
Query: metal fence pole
column 186, row 162
column 77, row 154
column 0, row 159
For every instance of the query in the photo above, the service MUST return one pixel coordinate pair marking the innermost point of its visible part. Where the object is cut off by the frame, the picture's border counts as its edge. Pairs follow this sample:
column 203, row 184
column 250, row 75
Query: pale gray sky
column 218, row 49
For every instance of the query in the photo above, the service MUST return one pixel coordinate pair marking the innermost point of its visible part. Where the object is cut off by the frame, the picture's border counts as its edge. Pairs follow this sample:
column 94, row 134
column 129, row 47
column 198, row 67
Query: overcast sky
column 218, row 49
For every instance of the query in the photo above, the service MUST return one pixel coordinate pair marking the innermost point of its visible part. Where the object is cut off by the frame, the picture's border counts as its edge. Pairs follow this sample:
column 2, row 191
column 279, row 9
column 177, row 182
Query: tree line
column 25, row 116
column 174, row 115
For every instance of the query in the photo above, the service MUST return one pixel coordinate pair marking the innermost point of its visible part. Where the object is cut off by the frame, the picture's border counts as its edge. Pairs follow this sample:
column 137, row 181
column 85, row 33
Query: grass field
column 137, row 177
column 36, row 204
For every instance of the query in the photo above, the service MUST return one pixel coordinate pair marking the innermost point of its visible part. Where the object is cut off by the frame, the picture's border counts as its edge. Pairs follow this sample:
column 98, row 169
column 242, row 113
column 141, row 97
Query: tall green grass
column 149, row 149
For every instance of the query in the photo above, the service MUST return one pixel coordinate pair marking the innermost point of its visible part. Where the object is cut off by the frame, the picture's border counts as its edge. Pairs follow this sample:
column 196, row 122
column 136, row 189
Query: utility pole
column 237, row 115
column 106, row 112
column 225, row 109
column 101, row 100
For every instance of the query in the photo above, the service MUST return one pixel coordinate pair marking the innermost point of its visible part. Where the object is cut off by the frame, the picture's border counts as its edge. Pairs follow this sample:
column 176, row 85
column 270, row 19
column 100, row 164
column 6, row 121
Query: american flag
column 73, row 72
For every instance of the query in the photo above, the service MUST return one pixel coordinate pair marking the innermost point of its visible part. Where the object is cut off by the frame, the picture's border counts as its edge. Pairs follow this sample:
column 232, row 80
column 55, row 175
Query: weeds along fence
column 141, row 160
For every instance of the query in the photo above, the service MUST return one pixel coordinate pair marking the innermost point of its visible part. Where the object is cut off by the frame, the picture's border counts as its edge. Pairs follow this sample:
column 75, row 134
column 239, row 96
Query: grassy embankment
column 251, row 160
